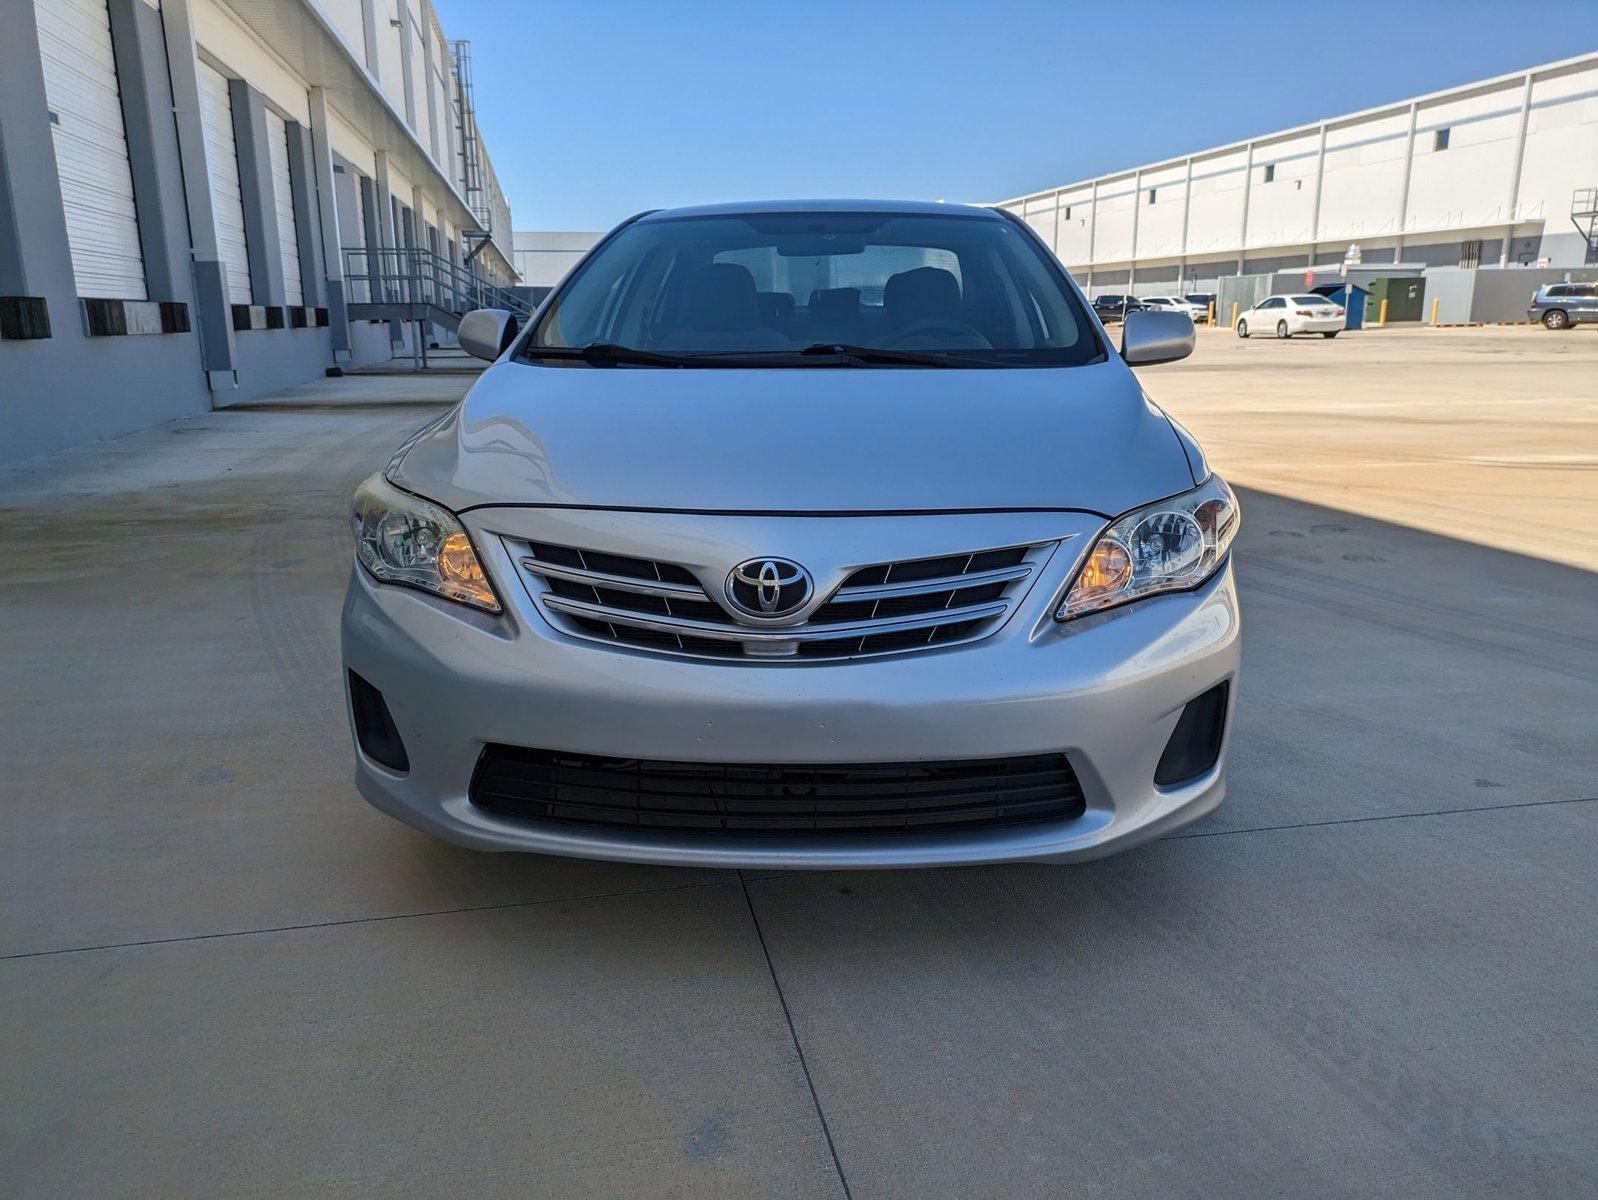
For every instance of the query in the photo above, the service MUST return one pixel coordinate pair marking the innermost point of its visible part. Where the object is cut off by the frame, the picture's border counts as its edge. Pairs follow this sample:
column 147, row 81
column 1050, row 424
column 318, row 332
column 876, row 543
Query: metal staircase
column 1584, row 216
column 408, row 283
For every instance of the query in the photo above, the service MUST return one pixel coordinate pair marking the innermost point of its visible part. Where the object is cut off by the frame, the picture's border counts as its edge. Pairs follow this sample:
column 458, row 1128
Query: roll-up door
column 222, row 165
column 277, row 136
column 91, row 148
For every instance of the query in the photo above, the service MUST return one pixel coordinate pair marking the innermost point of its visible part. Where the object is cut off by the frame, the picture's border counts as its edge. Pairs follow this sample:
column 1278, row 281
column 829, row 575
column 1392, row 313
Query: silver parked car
column 800, row 535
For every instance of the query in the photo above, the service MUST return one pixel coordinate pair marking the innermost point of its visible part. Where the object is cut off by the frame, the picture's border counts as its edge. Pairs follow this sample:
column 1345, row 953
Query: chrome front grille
column 878, row 609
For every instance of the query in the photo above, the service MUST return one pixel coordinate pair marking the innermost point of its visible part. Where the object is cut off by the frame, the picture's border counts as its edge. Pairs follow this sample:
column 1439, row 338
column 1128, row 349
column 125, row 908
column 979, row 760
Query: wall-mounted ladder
column 1584, row 216
column 469, row 139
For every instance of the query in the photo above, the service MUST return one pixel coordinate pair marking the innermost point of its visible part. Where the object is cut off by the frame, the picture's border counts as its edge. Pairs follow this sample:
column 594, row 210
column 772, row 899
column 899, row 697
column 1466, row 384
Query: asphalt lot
column 1371, row 973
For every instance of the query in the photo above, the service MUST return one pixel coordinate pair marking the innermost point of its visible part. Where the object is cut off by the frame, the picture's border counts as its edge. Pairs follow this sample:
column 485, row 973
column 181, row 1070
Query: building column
column 307, row 222
column 1055, row 247
column 1187, row 208
column 373, row 233
column 433, row 138
column 1093, row 232
column 35, row 259
column 1137, row 210
column 250, row 133
column 407, row 72
column 1512, row 208
column 387, row 239
column 1315, row 216
column 369, row 35
column 137, row 46
column 1403, row 191
column 1248, row 187
column 330, row 270
column 213, row 313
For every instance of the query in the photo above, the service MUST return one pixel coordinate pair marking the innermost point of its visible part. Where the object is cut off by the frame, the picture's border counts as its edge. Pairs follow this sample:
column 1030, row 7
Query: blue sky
column 595, row 109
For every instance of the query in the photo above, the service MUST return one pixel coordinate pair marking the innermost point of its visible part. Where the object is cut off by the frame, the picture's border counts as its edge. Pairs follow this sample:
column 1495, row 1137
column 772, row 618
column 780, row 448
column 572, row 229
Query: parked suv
column 799, row 535
column 1561, row 305
column 1111, row 307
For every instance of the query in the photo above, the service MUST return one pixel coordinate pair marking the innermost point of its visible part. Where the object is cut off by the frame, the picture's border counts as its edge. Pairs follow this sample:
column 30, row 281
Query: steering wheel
column 951, row 328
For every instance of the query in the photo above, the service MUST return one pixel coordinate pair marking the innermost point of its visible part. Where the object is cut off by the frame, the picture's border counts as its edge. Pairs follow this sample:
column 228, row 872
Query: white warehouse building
column 1495, row 174
column 543, row 258
column 205, row 200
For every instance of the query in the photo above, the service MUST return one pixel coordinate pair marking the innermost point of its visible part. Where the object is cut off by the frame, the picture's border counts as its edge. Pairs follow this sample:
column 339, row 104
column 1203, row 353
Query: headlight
column 402, row 538
column 1170, row 546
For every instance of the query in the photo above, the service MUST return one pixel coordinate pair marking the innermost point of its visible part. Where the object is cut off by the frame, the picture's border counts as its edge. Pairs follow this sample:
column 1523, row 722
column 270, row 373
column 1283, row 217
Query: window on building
column 1440, row 139
column 1152, row 193
column 1270, row 172
column 1067, row 212
column 1470, row 253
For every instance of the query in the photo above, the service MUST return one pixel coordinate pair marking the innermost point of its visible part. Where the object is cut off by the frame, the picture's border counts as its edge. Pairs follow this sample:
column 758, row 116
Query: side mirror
column 1149, row 336
column 486, row 332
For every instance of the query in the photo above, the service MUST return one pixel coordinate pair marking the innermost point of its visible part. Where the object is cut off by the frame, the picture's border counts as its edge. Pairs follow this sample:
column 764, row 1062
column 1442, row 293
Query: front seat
column 922, row 294
column 717, row 309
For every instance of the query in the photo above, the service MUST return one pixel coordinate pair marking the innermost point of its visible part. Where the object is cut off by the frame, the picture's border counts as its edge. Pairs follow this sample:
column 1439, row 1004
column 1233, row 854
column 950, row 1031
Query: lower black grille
column 802, row 800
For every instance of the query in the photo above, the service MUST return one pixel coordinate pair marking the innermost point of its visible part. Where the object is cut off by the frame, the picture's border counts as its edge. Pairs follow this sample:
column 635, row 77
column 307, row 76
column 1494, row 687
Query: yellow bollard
column 1436, row 304
column 1234, row 314
column 1210, row 319
column 1381, row 316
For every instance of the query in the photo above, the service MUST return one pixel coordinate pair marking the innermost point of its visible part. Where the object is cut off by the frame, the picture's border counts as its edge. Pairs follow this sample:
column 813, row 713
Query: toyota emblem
column 768, row 587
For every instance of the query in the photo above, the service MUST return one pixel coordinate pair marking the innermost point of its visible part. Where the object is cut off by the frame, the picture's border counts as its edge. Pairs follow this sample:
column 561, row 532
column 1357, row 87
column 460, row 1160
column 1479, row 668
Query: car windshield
column 1312, row 300
column 816, row 289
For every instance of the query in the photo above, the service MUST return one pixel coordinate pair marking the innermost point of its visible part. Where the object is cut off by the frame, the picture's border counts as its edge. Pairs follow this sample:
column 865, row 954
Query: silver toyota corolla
column 799, row 535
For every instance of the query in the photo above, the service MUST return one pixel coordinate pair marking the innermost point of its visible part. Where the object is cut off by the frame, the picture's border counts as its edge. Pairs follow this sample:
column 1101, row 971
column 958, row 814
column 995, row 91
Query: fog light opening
column 1195, row 744
column 375, row 730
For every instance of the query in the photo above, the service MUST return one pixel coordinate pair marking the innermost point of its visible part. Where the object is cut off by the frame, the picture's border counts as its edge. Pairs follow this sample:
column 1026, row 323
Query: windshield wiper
column 873, row 354
column 608, row 354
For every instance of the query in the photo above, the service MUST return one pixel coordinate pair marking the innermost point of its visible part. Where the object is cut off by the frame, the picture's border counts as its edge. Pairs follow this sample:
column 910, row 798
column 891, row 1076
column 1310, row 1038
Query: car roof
column 747, row 207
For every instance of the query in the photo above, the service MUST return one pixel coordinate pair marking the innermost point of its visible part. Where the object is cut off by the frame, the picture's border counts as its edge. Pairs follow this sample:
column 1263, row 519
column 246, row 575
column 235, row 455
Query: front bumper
column 1106, row 690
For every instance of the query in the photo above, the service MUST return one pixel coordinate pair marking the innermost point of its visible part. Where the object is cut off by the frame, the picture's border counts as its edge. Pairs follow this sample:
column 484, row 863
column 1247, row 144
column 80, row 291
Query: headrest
column 719, row 298
column 926, row 293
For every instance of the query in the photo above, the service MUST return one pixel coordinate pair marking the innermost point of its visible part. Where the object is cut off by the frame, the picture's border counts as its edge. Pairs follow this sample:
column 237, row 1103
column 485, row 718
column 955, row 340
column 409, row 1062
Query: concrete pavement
column 1371, row 972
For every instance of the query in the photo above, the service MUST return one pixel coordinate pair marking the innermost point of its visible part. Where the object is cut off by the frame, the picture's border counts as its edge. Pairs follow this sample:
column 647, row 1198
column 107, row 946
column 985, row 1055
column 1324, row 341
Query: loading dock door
column 222, row 166
column 91, row 148
column 277, row 137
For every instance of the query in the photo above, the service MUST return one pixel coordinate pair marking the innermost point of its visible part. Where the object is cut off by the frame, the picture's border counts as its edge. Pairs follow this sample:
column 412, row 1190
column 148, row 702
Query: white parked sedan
column 1176, row 304
column 1286, row 315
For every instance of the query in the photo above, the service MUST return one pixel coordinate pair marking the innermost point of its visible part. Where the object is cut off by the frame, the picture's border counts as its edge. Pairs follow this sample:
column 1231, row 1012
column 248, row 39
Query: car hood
column 806, row 440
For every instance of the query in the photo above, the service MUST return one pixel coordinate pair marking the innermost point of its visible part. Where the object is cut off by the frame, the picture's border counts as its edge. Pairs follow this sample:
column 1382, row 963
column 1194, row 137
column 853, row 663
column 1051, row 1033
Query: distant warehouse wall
column 543, row 258
column 182, row 183
column 1481, row 175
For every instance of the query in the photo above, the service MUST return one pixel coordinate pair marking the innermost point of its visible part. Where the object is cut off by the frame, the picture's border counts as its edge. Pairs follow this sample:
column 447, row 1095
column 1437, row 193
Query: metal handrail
column 412, row 275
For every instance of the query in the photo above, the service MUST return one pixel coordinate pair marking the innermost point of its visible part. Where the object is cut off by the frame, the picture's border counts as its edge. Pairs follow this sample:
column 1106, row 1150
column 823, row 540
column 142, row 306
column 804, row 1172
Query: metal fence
column 1245, row 291
column 412, row 275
